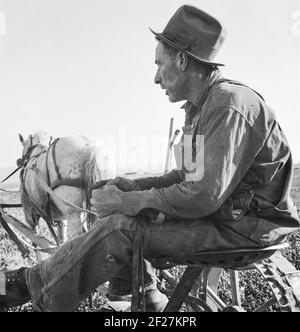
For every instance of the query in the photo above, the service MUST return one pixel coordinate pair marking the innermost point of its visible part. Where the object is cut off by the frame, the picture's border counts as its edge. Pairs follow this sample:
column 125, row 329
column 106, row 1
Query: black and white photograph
column 149, row 158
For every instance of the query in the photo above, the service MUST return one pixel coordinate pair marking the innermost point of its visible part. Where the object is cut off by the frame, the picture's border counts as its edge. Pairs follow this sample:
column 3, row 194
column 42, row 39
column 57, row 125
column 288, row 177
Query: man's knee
column 116, row 222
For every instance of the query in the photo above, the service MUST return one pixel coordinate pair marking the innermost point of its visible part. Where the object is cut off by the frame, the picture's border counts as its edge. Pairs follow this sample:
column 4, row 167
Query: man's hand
column 124, row 184
column 106, row 201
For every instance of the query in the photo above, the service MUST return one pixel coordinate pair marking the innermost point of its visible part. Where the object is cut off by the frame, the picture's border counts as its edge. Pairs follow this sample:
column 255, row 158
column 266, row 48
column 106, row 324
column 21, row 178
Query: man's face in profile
column 168, row 74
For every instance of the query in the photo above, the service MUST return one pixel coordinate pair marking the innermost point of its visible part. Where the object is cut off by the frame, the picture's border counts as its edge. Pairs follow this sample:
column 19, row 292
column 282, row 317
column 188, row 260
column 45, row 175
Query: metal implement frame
column 277, row 271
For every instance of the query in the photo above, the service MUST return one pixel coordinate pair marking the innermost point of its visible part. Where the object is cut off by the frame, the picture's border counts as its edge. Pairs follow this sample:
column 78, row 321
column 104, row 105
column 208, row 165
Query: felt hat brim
column 160, row 36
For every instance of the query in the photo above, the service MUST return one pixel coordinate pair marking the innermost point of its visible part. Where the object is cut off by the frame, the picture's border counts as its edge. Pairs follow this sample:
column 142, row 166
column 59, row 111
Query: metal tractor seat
column 193, row 289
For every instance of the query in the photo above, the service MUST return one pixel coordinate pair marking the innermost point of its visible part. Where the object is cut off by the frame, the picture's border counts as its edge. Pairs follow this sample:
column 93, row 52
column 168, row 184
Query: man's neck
column 198, row 85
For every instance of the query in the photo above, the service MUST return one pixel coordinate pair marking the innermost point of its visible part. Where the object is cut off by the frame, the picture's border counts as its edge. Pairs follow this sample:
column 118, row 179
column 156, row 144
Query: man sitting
column 230, row 189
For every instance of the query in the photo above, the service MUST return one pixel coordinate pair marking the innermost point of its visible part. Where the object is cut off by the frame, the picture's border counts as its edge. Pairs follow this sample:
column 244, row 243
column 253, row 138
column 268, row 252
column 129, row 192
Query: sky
column 72, row 67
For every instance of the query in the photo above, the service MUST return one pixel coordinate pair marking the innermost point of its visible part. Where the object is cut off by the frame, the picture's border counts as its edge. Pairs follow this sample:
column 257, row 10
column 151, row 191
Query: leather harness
column 46, row 215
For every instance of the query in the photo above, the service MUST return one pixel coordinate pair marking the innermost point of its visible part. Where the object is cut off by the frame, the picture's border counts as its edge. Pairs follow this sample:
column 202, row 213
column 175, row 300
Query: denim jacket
column 238, row 159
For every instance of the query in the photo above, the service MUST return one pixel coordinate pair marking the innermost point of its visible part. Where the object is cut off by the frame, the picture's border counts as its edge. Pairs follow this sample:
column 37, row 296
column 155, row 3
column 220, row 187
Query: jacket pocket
column 235, row 207
column 225, row 212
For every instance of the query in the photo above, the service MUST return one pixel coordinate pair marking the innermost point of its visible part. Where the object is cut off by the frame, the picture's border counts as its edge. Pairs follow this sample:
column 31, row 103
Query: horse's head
column 39, row 138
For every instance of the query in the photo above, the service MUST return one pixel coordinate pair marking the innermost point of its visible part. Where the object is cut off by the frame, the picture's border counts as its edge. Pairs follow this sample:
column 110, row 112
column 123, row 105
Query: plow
column 39, row 243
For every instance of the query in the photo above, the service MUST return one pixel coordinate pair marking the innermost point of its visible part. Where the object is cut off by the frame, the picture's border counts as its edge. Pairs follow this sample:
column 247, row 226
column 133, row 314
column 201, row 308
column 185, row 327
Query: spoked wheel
column 181, row 299
column 197, row 288
column 197, row 305
column 234, row 308
column 211, row 302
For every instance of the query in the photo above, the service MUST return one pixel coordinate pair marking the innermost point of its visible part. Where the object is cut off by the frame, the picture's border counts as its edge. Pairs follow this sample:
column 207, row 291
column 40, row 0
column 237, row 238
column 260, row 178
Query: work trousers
column 82, row 264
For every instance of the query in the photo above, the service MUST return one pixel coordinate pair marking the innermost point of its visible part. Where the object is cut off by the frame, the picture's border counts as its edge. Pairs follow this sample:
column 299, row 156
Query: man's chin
column 174, row 100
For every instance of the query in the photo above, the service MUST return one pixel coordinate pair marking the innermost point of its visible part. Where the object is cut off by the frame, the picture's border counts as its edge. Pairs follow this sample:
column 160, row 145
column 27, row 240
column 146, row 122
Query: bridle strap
column 40, row 213
column 46, row 216
column 23, row 162
column 11, row 174
column 53, row 153
column 54, row 159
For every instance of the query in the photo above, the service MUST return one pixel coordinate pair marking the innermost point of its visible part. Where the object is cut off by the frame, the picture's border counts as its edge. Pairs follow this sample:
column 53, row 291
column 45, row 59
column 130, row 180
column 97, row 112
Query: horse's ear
column 21, row 138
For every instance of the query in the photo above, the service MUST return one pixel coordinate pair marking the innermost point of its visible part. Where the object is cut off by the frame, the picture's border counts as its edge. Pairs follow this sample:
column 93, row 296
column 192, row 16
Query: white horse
column 69, row 166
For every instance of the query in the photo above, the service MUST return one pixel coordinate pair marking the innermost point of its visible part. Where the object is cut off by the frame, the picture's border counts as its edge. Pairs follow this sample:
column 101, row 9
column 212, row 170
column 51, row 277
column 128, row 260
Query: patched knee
column 110, row 259
column 116, row 222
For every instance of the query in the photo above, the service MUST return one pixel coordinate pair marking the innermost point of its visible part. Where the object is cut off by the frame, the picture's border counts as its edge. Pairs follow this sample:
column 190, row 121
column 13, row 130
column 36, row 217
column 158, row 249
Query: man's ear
column 21, row 138
column 182, row 61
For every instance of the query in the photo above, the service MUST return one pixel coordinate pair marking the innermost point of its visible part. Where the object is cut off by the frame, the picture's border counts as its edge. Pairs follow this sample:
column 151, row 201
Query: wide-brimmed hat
column 196, row 33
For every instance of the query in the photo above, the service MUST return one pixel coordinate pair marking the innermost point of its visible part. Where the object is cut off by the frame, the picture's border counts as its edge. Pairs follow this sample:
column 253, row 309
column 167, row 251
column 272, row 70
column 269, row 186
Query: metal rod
column 235, row 288
column 183, row 288
column 10, row 206
column 210, row 293
column 169, row 143
column 266, row 305
column 25, row 252
column 215, row 298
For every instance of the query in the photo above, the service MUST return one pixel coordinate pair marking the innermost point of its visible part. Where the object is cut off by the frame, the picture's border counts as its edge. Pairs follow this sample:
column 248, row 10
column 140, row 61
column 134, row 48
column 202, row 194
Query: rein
column 21, row 163
column 11, row 174
column 46, row 187
column 49, row 187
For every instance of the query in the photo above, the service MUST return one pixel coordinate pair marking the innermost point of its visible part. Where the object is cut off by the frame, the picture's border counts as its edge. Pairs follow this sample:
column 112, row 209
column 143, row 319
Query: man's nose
column 157, row 78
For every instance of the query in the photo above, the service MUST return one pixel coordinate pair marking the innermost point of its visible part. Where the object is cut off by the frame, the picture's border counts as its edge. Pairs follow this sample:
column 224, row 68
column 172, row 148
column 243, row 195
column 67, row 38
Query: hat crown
column 196, row 32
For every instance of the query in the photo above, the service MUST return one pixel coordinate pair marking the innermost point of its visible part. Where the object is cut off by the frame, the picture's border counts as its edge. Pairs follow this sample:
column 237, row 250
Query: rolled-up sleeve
column 230, row 147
